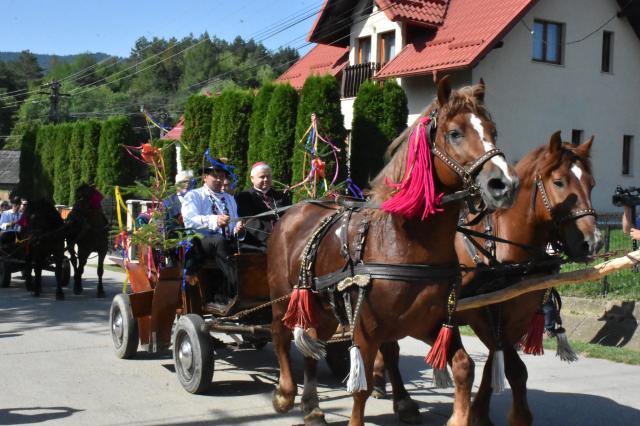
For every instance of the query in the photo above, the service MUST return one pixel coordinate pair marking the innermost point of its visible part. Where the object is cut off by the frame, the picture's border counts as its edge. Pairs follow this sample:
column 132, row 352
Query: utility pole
column 54, row 99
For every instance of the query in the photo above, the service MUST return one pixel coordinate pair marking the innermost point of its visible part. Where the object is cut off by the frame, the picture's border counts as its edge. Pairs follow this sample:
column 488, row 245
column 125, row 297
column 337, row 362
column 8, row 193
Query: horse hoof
column 59, row 295
column 315, row 418
column 281, row 403
column 77, row 290
column 35, row 294
column 407, row 410
column 379, row 393
column 484, row 421
column 101, row 293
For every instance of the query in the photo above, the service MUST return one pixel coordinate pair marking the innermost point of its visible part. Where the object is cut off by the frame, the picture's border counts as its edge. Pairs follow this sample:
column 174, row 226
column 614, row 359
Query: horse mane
column 43, row 212
column 465, row 99
column 539, row 161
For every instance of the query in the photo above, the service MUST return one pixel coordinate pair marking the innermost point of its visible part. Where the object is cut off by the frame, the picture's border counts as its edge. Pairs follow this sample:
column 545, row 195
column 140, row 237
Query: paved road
column 57, row 366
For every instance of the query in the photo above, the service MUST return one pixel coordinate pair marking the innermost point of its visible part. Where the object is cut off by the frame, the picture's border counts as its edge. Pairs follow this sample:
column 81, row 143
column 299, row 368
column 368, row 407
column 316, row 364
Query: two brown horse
column 393, row 308
column 553, row 205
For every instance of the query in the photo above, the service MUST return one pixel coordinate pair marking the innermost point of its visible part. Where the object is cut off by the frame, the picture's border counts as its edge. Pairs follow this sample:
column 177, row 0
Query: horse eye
column 558, row 183
column 455, row 136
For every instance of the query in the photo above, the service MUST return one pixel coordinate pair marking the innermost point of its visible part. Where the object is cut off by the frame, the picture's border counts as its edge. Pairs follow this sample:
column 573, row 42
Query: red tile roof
column 470, row 29
column 429, row 12
column 175, row 133
column 322, row 59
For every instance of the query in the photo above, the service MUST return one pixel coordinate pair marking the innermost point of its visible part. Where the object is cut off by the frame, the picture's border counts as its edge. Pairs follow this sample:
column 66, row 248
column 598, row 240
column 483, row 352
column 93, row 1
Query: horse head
column 42, row 216
column 460, row 134
column 563, row 183
column 83, row 195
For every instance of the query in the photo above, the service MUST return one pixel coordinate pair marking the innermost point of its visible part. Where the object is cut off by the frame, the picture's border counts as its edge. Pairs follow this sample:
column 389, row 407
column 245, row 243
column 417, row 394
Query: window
column 627, row 142
column 576, row 136
column 364, row 50
column 607, row 51
column 386, row 47
column 547, row 42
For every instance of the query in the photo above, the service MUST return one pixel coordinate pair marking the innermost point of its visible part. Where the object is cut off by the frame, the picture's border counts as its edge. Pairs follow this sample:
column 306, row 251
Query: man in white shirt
column 9, row 218
column 213, row 214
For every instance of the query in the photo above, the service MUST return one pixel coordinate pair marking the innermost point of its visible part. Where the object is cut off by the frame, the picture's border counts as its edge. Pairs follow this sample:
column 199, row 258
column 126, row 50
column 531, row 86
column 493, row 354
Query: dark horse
column 44, row 234
column 394, row 308
column 88, row 230
column 560, row 173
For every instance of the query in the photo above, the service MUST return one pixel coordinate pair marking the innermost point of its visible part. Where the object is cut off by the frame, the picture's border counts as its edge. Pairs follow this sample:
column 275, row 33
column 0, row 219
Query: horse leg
column 58, row 274
column 28, row 281
column 368, row 350
column 37, row 279
column 516, row 373
column 462, row 367
column 406, row 408
column 482, row 400
column 309, row 403
column 285, row 393
column 379, row 377
column 101, row 256
column 77, row 278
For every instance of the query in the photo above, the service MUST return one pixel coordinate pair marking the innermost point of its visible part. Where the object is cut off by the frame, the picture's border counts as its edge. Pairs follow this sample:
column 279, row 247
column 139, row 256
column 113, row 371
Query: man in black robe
column 259, row 199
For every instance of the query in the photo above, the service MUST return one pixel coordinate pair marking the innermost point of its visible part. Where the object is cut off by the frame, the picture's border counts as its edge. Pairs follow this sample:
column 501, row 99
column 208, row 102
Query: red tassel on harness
column 437, row 356
column 416, row 196
column 302, row 310
column 532, row 341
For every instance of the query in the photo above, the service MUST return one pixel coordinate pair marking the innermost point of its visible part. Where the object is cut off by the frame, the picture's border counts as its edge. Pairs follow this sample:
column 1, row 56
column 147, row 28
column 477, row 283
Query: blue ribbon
column 354, row 189
column 226, row 167
column 309, row 145
column 187, row 245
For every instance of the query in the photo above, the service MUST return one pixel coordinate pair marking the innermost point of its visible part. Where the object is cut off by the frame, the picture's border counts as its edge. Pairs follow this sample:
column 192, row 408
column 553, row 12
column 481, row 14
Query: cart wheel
column 256, row 342
column 124, row 327
column 5, row 274
column 338, row 359
column 66, row 272
column 193, row 354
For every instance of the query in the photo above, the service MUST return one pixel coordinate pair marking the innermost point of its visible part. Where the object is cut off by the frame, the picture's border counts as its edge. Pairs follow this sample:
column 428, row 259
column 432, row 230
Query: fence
column 354, row 75
column 620, row 285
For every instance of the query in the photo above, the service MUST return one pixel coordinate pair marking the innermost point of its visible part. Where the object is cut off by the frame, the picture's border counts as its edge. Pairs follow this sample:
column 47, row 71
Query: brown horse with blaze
column 394, row 307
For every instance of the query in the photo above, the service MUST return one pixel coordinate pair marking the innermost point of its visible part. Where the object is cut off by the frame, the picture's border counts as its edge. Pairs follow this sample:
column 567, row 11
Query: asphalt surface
column 57, row 366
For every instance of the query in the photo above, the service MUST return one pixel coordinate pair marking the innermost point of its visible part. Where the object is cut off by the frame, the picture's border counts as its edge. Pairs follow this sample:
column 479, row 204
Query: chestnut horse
column 563, row 171
column 394, row 308
column 88, row 230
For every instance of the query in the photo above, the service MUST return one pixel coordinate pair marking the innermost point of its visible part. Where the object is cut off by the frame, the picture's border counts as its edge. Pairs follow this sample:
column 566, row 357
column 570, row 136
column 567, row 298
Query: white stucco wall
column 530, row 100
column 375, row 24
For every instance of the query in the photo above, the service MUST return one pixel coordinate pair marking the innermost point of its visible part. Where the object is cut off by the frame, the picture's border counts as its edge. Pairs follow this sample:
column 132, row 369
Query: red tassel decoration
column 437, row 356
column 532, row 341
column 302, row 310
column 416, row 196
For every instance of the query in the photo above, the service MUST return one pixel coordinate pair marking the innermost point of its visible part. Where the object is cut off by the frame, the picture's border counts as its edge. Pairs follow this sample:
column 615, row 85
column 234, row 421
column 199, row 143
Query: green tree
column 61, row 189
column 396, row 110
column 368, row 142
column 43, row 174
column 168, row 157
column 114, row 166
column 89, row 158
column 28, row 161
column 279, row 131
column 75, row 159
column 197, row 130
column 256, row 126
column 230, row 129
column 322, row 96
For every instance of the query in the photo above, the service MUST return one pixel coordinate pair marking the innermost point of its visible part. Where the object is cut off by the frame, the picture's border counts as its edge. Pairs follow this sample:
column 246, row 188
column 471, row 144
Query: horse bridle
column 574, row 214
column 470, row 191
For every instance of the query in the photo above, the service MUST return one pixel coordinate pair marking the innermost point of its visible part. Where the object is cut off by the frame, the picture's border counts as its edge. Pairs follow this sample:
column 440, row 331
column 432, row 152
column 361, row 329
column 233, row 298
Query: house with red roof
column 570, row 65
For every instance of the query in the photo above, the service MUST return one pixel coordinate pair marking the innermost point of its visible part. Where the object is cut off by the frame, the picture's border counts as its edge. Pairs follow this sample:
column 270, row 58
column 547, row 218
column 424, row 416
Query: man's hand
column 239, row 227
column 635, row 233
column 223, row 220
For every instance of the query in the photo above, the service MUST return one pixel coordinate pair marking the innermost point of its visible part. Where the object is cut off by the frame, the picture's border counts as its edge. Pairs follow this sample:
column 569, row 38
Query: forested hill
column 44, row 60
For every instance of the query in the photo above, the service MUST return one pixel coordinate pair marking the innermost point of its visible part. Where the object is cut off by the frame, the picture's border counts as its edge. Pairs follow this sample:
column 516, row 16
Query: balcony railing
column 354, row 75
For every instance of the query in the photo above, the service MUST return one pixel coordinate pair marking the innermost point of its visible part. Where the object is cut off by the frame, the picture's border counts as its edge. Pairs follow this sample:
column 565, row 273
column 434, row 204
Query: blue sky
column 112, row 26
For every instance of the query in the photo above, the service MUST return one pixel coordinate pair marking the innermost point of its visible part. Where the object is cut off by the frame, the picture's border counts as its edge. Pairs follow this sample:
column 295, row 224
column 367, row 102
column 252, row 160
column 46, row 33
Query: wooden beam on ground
column 593, row 273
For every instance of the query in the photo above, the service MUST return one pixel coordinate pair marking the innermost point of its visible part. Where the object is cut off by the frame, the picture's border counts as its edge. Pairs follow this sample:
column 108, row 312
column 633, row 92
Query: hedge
column 279, row 131
column 44, row 170
column 197, row 130
column 61, row 163
column 256, row 152
column 75, row 159
column 114, row 164
column 29, row 161
column 396, row 111
column 90, row 142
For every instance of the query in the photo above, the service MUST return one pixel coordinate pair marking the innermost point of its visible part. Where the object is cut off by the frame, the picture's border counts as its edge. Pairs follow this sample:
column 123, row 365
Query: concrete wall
column 531, row 100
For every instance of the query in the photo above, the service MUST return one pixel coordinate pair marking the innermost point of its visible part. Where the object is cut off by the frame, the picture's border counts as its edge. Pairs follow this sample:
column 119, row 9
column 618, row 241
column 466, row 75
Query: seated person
column 210, row 212
column 9, row 218
column 630, row 225
column 259, row 199
column 173, row 204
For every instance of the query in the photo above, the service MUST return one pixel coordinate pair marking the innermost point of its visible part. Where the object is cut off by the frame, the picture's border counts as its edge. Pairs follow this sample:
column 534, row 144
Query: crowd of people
column 12, row 213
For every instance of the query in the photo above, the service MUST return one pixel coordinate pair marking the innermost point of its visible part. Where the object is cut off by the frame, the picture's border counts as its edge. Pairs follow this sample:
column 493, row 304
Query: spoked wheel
column 124, row 327
column 5, row 274
column 338, row 359
column 66, row 272
column 193, row 354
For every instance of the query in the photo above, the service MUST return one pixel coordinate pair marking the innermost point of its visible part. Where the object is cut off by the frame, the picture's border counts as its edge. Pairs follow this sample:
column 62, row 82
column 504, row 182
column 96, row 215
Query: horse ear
column 555, row 143
column 478, row 91
column 444, row 90
column 585, row 148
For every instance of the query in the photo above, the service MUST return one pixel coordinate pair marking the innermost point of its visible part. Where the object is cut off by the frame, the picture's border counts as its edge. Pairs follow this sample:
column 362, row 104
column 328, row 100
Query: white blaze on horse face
column 576, row 170
column 498, row 160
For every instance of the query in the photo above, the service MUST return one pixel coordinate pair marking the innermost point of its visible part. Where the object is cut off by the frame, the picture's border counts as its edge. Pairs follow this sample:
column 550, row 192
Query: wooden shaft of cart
column 592, row 273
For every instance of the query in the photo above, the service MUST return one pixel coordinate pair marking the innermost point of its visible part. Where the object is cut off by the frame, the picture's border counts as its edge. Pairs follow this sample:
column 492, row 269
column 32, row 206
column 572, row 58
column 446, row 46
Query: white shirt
column 197, row 212
column 8, row 217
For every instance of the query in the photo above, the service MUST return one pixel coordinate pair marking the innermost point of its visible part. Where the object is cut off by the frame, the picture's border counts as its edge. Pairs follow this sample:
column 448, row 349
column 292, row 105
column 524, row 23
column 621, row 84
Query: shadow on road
column 29, row 415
